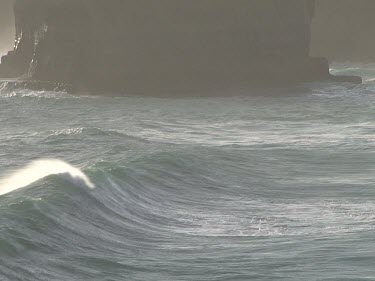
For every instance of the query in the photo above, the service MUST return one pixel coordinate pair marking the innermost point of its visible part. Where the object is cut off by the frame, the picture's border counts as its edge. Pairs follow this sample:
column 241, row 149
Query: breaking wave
column 40, row 169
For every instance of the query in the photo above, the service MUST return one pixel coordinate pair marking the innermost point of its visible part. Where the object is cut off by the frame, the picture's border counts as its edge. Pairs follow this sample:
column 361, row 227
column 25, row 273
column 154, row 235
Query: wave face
column 41, row 169
column 269, row 187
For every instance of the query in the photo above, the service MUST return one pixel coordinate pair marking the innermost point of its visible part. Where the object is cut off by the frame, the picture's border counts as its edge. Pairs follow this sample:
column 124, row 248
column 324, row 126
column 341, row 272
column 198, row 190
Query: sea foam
column 40, row 169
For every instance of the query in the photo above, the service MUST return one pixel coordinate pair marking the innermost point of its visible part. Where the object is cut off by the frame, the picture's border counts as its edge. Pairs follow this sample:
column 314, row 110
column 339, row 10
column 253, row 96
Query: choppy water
column 276, row 187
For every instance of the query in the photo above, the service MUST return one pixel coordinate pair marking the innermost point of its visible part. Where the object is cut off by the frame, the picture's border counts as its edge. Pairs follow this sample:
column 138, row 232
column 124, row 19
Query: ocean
column 275, row 185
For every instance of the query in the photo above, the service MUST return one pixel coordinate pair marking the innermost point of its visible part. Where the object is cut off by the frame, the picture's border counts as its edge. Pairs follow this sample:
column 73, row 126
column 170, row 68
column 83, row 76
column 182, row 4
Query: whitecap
column 40, row 169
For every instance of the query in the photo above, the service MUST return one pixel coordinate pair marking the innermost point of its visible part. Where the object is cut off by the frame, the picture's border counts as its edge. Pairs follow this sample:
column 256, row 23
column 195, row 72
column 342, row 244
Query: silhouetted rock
column 343, row 30
column 164, row 46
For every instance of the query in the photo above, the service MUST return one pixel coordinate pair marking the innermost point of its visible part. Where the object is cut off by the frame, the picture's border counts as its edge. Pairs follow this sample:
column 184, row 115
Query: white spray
column 40, row 169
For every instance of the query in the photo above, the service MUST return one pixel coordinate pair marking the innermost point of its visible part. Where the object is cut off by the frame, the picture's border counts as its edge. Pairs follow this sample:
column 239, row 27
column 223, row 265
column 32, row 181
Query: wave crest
column 40, row 169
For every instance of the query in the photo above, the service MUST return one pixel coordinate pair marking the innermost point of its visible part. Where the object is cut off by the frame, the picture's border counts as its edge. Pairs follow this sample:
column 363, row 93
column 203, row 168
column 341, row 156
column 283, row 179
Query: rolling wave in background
column 263, row 187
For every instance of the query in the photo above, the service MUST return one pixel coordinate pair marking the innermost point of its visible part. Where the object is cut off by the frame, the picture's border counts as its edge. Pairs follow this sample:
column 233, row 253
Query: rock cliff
column 343, row 30
column 164, row 46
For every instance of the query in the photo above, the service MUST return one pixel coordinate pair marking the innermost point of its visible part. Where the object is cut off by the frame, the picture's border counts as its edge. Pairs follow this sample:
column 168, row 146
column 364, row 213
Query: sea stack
column 343, row 30
column 164, row 46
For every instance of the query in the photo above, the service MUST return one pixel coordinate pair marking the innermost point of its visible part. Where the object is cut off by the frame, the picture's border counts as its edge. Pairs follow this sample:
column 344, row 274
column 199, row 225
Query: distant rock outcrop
column 164, row 46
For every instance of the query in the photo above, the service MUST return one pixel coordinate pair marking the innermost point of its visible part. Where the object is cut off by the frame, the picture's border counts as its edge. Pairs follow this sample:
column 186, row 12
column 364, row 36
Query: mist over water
column 261, row 187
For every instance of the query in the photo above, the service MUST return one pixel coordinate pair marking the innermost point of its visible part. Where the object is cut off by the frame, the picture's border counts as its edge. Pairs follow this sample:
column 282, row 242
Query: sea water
column 264, row 186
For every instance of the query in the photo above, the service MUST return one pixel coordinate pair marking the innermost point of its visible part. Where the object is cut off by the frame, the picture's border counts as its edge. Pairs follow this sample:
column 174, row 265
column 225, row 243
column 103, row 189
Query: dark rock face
column 343, row 30
column 155, row 47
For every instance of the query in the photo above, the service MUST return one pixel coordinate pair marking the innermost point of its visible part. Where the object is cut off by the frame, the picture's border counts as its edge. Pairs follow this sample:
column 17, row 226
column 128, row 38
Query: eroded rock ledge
column 164, row 46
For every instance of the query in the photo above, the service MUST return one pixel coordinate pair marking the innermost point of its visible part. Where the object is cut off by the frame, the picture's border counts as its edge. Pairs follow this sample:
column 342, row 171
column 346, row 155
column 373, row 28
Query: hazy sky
column 6, row 26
